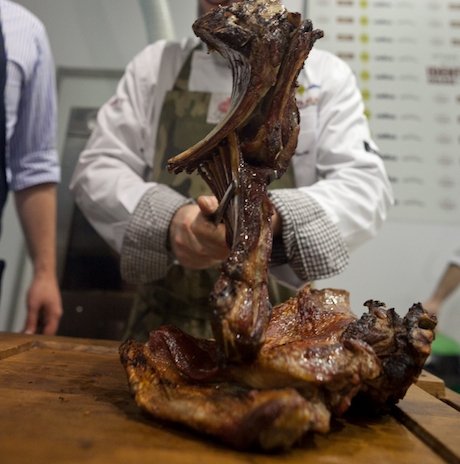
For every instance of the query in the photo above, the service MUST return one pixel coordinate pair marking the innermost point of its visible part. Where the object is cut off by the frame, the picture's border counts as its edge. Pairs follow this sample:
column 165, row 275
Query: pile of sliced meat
column 270, row 375
column 316, row 357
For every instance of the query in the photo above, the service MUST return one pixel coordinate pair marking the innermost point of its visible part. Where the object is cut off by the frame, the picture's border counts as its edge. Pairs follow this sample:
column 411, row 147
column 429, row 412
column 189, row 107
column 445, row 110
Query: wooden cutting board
column 66, row 400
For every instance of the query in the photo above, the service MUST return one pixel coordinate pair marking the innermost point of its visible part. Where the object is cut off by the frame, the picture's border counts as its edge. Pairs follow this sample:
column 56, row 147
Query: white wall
column 400, row 266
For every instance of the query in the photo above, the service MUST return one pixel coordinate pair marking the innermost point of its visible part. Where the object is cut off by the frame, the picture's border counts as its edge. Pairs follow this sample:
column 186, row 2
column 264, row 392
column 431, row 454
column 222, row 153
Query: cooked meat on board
column 270, row 375
column 316, row 358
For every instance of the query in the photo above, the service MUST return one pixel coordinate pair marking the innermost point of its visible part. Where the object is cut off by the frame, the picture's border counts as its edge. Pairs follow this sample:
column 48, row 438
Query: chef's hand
column 44, row 307
column 197, row 242
column 432, row 305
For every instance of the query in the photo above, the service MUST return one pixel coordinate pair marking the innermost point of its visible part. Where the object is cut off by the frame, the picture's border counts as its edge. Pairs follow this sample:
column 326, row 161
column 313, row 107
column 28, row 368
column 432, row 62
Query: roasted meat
column 316, row 357
column 176, row 378
column 270, row 376
column 266, row 47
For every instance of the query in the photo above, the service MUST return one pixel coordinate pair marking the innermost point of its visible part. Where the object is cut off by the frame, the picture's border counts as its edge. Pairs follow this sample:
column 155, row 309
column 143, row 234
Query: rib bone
column 266, row 47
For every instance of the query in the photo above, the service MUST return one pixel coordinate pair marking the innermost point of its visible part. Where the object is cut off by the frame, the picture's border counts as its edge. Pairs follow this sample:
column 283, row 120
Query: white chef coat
column 331, row 165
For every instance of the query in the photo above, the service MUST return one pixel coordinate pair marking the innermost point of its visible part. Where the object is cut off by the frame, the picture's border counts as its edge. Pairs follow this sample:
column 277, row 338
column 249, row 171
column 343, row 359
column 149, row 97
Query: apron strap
column 181, row 82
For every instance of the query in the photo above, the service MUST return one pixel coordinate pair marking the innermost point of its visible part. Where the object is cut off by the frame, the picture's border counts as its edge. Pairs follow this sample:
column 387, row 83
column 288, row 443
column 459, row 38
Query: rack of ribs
column 266, row 47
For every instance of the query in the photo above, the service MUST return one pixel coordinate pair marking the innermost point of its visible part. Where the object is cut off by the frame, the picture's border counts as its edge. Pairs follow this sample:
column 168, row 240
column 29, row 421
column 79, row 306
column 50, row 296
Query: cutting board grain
column 65, row 400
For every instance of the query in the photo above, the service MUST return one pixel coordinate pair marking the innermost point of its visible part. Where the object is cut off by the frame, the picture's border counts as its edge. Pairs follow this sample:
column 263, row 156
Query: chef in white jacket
column 336, row 199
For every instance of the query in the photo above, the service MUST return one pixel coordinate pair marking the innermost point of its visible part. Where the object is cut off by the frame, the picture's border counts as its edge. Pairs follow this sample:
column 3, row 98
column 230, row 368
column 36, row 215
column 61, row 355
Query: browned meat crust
column 266, row 47
column 317, row 356
column 270, row 376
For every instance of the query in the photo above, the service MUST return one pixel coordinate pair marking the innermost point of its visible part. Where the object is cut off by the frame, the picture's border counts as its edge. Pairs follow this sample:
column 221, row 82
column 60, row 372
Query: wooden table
column 66, row 400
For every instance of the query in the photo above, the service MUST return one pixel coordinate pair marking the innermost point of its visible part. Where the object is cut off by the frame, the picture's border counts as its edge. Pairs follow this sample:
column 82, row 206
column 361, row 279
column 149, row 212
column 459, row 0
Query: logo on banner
column 443, row 75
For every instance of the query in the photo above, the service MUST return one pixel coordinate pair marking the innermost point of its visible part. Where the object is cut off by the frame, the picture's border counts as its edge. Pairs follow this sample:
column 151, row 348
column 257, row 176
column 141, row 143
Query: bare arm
column 449, row 281
column 36, row 208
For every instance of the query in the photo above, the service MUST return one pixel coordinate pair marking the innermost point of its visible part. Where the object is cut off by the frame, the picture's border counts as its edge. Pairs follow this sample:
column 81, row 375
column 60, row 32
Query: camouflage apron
column 182, row 297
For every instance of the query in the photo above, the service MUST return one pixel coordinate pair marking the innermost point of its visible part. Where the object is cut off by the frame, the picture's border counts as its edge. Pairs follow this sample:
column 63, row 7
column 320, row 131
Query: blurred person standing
column 29, row 164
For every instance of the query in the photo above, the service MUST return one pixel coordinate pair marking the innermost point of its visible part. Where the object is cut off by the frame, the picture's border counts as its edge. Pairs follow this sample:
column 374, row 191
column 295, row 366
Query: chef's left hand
column 44, row 307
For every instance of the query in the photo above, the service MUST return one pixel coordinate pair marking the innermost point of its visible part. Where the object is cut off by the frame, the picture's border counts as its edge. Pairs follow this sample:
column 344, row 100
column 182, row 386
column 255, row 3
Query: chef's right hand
column 197, row 242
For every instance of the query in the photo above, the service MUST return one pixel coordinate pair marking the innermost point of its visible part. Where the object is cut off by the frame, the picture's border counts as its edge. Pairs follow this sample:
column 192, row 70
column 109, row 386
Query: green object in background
column 444, row 361
column 445, row 346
